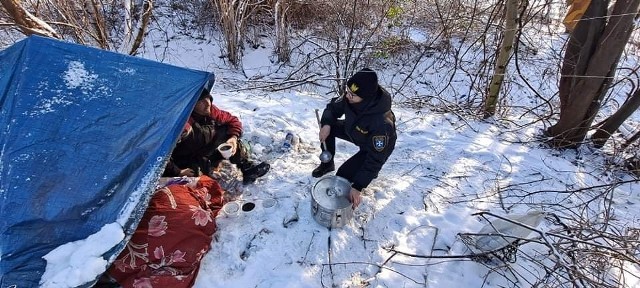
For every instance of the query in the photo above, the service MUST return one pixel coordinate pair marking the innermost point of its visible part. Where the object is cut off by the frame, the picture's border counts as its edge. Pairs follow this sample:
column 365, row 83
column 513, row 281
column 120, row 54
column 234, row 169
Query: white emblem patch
column 379, row 142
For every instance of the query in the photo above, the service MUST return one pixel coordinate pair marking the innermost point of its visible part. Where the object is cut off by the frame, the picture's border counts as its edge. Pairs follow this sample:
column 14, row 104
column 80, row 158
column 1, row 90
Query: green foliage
column 391, row 45
column 394, row 15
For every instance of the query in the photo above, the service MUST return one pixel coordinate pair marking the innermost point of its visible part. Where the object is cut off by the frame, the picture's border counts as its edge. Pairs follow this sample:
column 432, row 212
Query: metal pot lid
column 332, row 192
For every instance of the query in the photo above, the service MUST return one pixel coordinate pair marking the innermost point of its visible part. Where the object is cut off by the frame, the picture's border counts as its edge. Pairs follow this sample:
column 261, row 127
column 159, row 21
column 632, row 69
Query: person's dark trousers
column 337, row 131
column 349, row 168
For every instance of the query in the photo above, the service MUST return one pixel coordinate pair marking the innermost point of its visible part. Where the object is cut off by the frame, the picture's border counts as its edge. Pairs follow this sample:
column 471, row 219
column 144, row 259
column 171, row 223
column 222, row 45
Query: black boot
column 324, row 168
column 252, row 171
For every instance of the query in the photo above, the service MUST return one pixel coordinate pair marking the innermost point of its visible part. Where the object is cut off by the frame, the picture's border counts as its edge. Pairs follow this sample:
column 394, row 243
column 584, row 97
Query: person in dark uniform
column 207, row 127
column 368, row 123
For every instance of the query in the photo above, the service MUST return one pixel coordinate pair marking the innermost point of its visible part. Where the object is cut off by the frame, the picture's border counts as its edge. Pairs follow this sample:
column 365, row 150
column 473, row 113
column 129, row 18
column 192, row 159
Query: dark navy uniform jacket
column 372, row 129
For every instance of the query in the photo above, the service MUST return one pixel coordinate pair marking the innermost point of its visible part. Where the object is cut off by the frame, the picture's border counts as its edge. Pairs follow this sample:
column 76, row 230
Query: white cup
column 225, row 150
column 232, row 208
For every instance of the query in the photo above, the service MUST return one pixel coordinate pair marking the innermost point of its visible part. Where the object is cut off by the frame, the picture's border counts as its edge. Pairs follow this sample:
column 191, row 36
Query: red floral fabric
column 172, row 237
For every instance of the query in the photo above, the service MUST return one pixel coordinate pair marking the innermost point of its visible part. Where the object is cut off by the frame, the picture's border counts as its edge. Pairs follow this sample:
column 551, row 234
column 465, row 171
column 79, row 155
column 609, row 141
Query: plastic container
column 288, row 142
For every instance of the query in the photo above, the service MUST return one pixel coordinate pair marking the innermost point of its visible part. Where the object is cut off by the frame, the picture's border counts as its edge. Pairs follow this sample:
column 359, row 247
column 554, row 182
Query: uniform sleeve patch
column 379, row 143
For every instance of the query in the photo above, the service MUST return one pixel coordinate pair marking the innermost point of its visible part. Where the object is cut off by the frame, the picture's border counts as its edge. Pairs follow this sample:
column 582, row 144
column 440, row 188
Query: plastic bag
column 509, row 232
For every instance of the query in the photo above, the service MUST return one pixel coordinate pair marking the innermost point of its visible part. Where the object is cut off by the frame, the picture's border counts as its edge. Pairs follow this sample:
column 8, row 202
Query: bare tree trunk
column 581, row 46
column 229, row 29
column 590, row 60
column 26, row 22
column 282, row 32
column 234, row 15
column 614, row 121
column 131, row 44
column 127, row 25
column 95, row 9
column 506, row 49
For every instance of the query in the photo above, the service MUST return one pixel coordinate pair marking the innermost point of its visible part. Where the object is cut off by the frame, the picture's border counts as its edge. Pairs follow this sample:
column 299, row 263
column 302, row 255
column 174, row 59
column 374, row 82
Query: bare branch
column 26, row 22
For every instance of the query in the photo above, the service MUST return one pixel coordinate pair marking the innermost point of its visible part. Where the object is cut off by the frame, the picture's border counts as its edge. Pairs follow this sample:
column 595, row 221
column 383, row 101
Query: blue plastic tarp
column 84, row 134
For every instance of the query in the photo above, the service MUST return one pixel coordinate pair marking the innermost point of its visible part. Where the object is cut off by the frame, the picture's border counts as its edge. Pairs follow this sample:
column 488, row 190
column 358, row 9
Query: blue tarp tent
column 85, row 134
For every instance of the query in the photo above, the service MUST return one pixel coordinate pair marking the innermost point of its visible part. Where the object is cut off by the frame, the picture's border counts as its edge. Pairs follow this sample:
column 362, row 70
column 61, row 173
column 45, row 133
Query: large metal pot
column 330, row 203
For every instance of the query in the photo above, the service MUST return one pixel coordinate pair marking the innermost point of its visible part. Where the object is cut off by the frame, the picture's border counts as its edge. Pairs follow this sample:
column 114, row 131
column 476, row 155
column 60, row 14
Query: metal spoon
column 325, row 156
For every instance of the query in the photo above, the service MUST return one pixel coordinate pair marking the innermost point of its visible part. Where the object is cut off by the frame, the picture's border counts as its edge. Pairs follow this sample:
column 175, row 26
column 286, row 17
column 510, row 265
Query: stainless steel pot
column 330, row 203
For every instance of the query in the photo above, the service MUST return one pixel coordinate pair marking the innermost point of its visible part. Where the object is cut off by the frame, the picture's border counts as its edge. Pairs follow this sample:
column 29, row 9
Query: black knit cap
column 364, row 83
column 205, row 93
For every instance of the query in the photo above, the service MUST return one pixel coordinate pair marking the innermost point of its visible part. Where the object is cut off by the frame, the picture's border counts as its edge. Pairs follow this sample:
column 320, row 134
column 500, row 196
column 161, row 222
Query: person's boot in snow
column 252, row 171
column 324, row 168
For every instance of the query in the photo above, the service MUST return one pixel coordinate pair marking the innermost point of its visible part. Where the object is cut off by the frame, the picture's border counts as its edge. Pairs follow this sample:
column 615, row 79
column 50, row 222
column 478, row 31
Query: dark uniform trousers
column 350, row 167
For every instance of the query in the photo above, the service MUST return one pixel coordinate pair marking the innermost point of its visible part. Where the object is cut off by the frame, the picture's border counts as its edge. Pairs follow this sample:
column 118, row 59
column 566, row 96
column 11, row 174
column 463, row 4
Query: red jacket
column 219, row 117
column 199, row 138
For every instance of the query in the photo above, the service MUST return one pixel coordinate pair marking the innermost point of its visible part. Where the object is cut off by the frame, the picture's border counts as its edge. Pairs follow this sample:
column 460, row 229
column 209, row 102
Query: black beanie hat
column 205, row 93
column 364, row 83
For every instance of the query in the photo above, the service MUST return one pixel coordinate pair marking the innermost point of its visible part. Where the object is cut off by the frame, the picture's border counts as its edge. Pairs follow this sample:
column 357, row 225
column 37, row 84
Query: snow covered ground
column 444, row 169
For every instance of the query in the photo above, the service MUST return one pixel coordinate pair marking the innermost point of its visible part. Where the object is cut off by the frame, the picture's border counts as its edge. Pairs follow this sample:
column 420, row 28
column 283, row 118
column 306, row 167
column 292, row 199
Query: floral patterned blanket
column 172, row 237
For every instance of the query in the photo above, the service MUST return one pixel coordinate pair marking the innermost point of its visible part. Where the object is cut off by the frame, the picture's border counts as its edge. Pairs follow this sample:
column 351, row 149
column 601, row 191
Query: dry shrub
column 199, row 16
column 394, row 45
column 633, row 165
column 303, row 15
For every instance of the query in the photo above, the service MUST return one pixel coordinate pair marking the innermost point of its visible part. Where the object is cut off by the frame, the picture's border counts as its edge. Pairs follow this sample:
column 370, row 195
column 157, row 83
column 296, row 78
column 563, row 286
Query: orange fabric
column 172, row 237
column 576, row 10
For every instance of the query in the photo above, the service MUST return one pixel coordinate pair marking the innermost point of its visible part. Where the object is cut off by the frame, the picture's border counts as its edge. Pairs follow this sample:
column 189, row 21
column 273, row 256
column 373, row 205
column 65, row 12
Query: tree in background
column 118, row 25
column 607, row 127
column 280, row 13
column 234, row 19
column 135, row 25
column 353, row 37
column 26, row 22
column 589, row 64
column 506, row 50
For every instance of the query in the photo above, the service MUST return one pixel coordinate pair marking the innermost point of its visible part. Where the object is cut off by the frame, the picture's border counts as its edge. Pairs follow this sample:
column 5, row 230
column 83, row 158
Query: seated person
column 207, row 128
